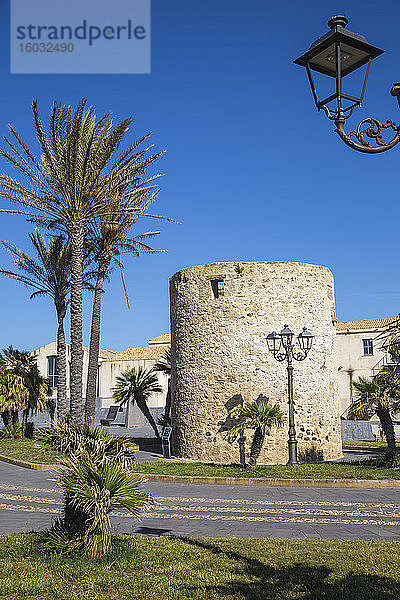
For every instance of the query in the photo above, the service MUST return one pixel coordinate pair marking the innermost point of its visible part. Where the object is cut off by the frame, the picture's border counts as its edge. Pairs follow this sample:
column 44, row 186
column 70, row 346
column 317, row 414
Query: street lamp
column 336, row 54
column 284, row 348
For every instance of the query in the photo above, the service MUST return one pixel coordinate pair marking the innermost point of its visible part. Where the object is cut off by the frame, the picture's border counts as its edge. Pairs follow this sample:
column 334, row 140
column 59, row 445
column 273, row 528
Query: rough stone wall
column 220, row 358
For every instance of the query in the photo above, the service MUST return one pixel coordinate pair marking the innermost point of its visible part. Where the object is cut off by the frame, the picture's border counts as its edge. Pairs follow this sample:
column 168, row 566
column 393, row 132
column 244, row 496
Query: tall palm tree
column 107, row 240
column 163, row 365
column 70, row 183
column 136, row 386
column 378, row 395
column 50, row 275
column 260, row 416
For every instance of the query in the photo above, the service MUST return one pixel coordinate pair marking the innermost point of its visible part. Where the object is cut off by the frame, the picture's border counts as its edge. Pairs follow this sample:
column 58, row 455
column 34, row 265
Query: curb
column 25, row 464
column 369, row 450
column 272, row 482
column 275, row 482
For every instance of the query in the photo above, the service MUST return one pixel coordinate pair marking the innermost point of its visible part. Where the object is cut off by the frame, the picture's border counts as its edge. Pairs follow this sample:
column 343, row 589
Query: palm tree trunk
column 76, row 388
column 14, row 418
column 91, row 386
column 145, row 410
column 256, row 446
column 168, row 403
column 61, row 365
column 6, row 417
column 387, row 426
column 24, row 418
column 75, row 519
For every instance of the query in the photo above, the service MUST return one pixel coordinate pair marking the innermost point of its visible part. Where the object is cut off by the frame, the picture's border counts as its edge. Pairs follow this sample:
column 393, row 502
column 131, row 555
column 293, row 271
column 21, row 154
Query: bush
column 389, row 460
column 12, row 432
column 95, row 476
column 71, row 439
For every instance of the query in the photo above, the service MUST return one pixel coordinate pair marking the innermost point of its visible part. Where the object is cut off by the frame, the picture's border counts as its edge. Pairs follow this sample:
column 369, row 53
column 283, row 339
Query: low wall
column 357, row 431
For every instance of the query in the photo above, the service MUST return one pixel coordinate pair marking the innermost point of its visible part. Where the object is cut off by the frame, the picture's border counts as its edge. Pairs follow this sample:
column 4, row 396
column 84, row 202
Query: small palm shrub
column 260, row 416
column 388, row 460
column 12, row 432
column 95, row 476
column 72, row 439
column 17, row 431
column 92, row 490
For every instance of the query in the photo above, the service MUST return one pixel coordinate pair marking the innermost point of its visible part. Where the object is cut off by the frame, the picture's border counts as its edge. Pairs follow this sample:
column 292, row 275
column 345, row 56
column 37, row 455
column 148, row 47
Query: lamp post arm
column 280, row 356
column 372, row 129
column 395, row 91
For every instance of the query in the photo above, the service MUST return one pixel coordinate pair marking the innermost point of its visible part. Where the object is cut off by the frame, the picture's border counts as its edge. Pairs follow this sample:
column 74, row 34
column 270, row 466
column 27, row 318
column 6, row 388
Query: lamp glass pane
column 305, row 340
column 273, row 342
column 286, row 336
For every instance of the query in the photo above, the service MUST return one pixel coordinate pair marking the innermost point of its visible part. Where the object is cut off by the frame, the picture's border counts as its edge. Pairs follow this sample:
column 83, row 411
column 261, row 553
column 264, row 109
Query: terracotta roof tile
column 107, row 353
column 364, row 324
column 139, row 353
column 102, row 353
column 161, row 339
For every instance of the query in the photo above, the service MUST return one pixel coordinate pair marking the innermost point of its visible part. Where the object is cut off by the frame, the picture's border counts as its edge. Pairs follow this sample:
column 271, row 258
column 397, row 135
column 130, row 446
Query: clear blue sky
column 252, row 171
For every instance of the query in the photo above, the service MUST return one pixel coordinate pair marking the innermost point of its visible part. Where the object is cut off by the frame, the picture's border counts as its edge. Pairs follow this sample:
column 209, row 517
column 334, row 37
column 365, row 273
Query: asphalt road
column 29, row 500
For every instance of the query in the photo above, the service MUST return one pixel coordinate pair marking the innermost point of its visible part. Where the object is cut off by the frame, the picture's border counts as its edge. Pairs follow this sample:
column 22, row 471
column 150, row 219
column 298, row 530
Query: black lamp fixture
column 273, row 342
column 286, row 337
column 337, row 54
column 305, row 339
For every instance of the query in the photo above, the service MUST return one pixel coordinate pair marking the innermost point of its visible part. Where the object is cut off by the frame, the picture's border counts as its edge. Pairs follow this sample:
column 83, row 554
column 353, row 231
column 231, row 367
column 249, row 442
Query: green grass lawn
column 162, row 568
column 28, row 450
column 309, row 471
column 366, row 444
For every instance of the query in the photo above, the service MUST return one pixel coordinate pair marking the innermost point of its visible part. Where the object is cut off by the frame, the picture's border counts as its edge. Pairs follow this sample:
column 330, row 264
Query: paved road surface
column 29, row 500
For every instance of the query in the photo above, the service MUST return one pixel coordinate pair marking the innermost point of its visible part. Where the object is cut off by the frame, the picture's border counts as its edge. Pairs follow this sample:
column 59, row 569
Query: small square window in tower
column 217, row 287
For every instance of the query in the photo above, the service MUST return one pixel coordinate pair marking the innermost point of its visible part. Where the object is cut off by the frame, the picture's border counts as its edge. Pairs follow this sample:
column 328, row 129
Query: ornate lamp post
column 284, row 348
column 336, row 54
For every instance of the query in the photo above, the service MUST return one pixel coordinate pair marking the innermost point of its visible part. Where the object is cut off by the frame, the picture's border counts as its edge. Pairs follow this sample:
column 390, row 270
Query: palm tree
column 136, row 386
column 378, row 395
column 107, row 240
column 92, row 490
column 260, row 416
column 21, row 364
column 49, row 274
column 70, row 184
column 95, row 476
column 13, row 396
column 163, row 365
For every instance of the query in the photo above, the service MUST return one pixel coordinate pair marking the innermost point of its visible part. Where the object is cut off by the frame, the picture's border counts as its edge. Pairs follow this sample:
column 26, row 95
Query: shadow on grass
column 256, row 580
column 151, row 531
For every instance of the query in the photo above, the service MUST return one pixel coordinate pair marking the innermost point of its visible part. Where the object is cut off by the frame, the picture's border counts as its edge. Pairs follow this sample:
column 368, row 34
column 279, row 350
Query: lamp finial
column 340, row 20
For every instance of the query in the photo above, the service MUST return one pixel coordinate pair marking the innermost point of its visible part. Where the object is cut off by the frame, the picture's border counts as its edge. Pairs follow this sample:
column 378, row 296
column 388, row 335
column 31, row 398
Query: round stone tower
column 221, row 314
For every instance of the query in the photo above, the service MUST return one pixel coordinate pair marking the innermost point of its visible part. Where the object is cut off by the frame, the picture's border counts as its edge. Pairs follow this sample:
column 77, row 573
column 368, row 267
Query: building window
column 52, row 370
column 368, row 347
column 217, row 286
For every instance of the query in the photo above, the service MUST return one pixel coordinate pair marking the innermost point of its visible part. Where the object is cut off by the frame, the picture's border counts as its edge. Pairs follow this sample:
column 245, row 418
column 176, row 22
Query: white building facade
column 359, row 353
column 111, row 365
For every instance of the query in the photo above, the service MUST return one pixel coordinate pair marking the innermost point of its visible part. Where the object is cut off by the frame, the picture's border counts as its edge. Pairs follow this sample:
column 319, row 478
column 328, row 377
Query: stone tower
column 221, row 314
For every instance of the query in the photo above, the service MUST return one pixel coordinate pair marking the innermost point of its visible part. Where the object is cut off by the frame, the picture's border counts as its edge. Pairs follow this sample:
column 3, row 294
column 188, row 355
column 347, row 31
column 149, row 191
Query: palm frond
column 259, row 414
